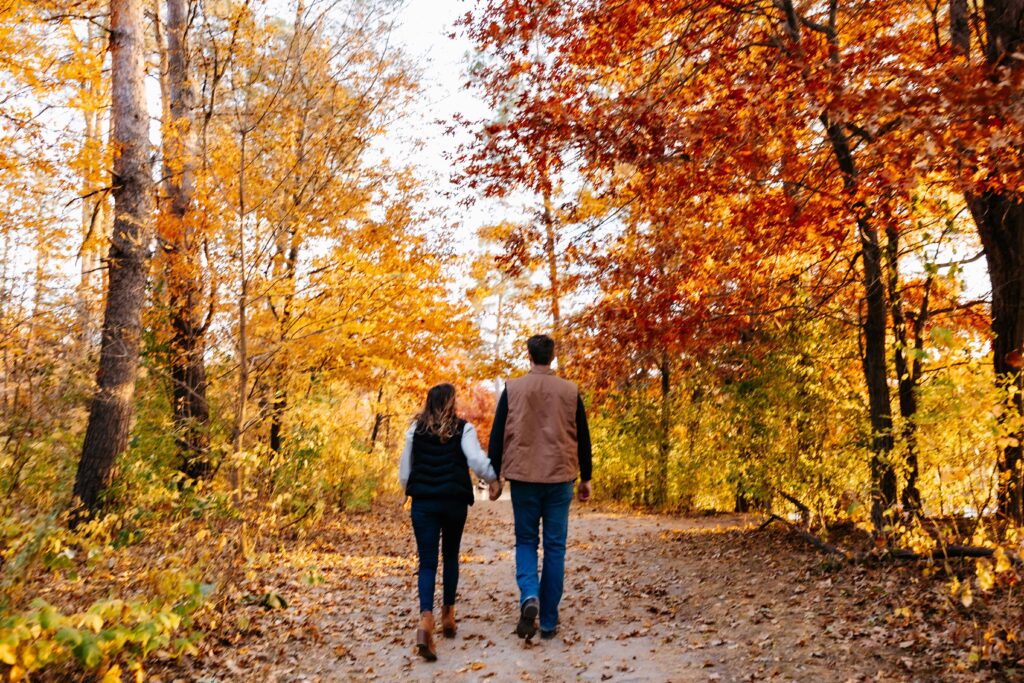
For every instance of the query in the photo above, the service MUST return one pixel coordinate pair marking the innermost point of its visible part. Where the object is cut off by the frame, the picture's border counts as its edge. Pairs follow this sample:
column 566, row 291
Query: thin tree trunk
column 660, row 490
column 906, row 373
column 873, row 327
column 288, row 256
column 243, row 338
column 551, row 254
column 959, row 27
column 378, row 416
column 93, row 205
column 110, row 412
column 182, row 245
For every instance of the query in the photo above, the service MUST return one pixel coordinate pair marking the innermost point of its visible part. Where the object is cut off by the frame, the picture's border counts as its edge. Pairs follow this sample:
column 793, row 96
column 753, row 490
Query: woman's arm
column 475, row 455
column 405, row 463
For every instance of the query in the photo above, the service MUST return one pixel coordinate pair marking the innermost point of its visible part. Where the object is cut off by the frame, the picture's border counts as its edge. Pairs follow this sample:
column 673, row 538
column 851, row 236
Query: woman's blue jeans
column 436, row 521
column 532, row 505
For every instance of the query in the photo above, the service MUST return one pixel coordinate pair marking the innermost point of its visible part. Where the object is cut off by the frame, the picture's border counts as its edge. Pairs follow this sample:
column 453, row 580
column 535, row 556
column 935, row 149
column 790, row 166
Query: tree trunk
column 906, row 372
column 660, row 489
column 999, row 216
column 873, row 327
column 550, row 252
column 182, row 247
column 1000, row 221
column 959, row 26
column 287, row 257
column 93, row 202
column 378, row 415
column 110, row 412
column 241, row 404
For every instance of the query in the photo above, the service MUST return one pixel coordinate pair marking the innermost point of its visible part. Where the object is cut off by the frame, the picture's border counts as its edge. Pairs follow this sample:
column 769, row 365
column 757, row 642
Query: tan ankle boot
column 448, row 621
column 425, row 637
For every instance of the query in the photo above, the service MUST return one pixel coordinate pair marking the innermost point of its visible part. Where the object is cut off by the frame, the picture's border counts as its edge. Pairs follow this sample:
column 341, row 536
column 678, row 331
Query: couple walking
column 539, row 443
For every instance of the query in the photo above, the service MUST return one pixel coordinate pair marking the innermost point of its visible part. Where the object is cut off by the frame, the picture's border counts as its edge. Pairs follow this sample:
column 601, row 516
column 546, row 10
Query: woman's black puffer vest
column 439, row 469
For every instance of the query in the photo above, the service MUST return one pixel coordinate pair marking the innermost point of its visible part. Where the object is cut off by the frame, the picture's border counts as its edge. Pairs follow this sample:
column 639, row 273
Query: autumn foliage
column 778, row 242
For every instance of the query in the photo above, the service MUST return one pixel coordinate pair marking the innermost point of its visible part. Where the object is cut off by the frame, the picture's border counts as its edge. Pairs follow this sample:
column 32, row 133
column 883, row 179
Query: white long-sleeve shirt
column 475, row 455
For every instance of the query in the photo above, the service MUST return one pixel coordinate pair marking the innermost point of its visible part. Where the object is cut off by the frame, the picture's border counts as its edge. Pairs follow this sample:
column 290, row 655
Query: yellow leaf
column 16, row 674
column 28, row 658
column 1002, row 561
column 966, row 598
column 91, row 621
column 986, row 578
column 113, row 675
column 7, row 654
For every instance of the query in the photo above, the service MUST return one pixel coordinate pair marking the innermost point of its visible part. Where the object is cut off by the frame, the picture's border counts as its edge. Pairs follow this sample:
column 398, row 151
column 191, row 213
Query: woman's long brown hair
column 438, row 414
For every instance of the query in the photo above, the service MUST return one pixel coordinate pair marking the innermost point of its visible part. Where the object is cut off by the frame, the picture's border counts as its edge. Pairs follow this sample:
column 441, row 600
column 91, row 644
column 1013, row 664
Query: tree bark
column 873, row 327
column 182, row 245
column 999, row 215
column 87, row 296
column 660, row 488
column 241, row 404
column 288, row 243
column 907, row 373
column 1000, row 221
column 550, row 252
column 959, row 27
column 110, row 412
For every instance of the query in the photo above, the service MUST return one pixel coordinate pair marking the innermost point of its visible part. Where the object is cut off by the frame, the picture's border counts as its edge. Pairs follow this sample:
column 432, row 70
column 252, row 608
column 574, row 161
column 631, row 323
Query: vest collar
column 541, row 370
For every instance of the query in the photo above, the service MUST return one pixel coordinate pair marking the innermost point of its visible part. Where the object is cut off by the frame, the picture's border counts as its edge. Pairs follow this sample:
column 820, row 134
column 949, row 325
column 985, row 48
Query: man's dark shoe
column 527, row 626
column 548, row 635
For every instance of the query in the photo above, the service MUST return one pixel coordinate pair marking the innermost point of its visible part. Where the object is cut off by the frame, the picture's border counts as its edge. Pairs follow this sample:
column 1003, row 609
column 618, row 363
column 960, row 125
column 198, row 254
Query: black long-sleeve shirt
column 496, row 444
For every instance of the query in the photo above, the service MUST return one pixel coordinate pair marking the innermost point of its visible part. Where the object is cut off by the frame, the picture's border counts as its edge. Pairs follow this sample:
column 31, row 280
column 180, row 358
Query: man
column 540, row 443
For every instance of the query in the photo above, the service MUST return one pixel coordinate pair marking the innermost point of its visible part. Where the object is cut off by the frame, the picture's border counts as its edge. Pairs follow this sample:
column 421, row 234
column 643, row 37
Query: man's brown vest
column 540, row 434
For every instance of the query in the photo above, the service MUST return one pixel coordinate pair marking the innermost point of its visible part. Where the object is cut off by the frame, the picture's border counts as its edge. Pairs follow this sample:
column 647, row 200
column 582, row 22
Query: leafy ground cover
column 648, row 598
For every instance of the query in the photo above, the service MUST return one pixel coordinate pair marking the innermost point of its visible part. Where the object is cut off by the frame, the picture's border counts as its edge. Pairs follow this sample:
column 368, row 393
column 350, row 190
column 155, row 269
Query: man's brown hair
column 541, row 348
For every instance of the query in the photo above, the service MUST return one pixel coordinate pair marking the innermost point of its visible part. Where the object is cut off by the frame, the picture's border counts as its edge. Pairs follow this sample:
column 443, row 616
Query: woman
column 434, row 471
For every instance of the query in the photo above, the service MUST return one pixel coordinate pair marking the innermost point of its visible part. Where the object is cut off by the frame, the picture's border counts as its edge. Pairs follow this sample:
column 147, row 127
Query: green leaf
column 69, row 637
column 50, row 618
column 88, row 651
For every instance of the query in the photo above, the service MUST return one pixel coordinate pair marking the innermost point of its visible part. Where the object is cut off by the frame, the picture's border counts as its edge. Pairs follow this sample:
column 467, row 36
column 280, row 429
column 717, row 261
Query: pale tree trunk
column 93, row 205
column 243, row 334
column 182, row 244
column 110, row 412
column 999, row 215
column 499, row 337
column 6, row 318
column 551, row 254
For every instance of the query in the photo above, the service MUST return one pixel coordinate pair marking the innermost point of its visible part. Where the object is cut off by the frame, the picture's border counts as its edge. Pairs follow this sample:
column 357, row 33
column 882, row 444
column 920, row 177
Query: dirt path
column 647, row 599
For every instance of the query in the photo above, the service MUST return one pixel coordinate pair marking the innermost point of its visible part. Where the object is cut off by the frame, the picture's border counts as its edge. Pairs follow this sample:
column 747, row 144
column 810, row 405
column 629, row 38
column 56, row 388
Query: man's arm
column 583, row 450
column 496, row 444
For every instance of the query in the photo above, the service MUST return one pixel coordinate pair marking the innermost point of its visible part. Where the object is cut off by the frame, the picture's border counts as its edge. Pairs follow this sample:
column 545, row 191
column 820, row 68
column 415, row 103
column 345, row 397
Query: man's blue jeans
column 532, row 505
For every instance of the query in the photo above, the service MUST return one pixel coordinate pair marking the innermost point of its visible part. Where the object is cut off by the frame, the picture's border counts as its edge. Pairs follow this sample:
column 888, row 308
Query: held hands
column 494, row 489
column 583, row 491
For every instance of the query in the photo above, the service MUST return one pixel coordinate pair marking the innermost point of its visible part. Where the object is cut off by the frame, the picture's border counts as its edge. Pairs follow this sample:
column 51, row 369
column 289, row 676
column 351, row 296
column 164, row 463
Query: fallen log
column 953, row 551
